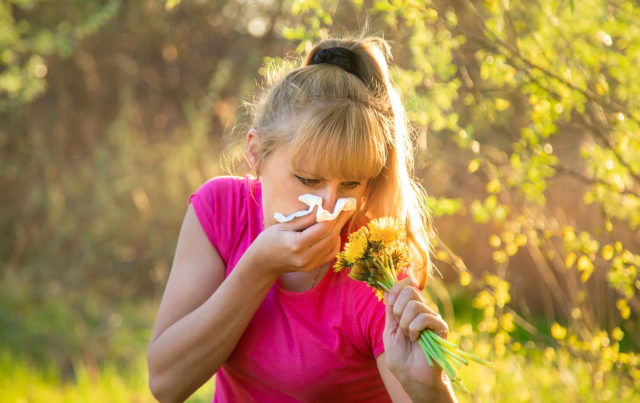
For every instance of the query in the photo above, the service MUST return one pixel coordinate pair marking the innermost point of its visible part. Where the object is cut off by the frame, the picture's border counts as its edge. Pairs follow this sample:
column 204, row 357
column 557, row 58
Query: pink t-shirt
column 317, row 345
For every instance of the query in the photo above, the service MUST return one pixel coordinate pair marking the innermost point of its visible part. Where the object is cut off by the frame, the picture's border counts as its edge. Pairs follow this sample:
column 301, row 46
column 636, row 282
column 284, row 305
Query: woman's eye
column 351, row 185
column 307, row 181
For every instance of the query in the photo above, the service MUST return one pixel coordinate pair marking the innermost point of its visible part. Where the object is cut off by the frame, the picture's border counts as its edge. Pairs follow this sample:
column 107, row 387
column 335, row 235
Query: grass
column 543, row 376
column 47, row 355
column 519, row 376
column 21, row 381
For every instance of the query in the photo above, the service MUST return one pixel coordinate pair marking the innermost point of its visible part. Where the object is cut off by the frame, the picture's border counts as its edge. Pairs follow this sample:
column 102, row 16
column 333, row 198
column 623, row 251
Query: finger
column 342, row 219
column 424, row 321
column 329, row 231
column 410, row 312
column 302, row 223
column 406, row 294
column 322, row 251
column 397, row 287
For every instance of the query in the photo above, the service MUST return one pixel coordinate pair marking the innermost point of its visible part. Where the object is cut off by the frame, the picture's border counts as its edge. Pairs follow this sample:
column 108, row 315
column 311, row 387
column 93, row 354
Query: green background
column 526, row 129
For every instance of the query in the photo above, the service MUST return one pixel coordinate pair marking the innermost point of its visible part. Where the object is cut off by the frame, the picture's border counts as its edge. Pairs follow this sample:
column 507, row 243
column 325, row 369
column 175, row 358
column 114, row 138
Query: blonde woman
column 254, row 300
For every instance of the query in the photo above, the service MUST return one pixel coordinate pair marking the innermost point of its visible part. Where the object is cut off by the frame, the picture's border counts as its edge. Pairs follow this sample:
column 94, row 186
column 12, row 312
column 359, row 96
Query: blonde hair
column 352, row 128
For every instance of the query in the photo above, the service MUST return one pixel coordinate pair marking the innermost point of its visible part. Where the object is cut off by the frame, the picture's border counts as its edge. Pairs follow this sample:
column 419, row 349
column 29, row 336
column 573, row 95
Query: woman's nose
column 329, row 197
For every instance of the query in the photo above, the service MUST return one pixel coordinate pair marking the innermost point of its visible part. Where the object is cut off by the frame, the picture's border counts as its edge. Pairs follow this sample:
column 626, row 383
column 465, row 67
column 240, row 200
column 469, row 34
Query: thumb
column 391, row 323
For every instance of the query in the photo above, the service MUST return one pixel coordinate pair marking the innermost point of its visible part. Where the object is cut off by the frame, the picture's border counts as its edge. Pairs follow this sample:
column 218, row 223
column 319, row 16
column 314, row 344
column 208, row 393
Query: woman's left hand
column 406, row 316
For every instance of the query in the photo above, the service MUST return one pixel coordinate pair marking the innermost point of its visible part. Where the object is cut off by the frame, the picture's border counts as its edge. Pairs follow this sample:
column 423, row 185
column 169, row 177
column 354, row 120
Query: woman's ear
column 251, row 149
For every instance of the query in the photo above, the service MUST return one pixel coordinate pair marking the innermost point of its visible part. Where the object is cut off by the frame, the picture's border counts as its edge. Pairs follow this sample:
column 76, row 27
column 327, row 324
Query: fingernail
column 392, row 299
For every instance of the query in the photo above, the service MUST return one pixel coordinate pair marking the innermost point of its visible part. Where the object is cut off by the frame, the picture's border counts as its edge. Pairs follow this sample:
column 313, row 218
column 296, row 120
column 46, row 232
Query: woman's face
column 283, row 183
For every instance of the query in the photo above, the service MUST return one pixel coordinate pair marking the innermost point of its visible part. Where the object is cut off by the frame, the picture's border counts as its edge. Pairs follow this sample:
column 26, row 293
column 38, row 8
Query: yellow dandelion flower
column 359, row 272
column 379, row 293
column 386, row 230
column 375, row 256
column 340, row 263
column 356, row 247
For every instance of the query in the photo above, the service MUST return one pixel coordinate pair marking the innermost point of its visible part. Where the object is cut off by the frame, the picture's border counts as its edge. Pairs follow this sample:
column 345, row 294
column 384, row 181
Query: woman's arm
column 203, row 315
column 403, row 366
column 417, row 393
column 199, row 321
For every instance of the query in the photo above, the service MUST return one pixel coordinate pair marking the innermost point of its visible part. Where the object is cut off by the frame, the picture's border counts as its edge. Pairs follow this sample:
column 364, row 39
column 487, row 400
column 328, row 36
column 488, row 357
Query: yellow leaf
column 627, row 256
column 502, row 104
column 584, row 264
column 569, row 233
column 170, row 4
column 499, row 256
column 494, row 186
column 624, row 308
column 506, row 322
column 570, row 259
column 473, row 166
column 466, row 330
column 607, row 252
column 465, row 279
column 521, row 240
column 609, row 226
column 494, row 241
column 508, row 237
column 617, row 334
column 549, row 355
column 558, row 332
column 585, row 276
column 442, row 256
column 511, row 249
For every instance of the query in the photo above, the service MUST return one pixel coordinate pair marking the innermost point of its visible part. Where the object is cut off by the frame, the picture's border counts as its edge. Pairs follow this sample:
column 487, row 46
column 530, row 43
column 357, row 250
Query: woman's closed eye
column 313, row 182
column 307, row 181
column 350, row 185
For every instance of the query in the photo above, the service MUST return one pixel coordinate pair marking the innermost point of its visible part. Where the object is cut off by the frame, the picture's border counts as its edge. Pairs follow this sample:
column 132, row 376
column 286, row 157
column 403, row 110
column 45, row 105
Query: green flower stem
column 384, row 286
column 378, row 270
column 445, row 350
column 477, row 359
column 453, row 348
column 444, row 342
column 382, row 267
column 460, row 361
column 430, row 351
column 436, row 354
column 425, row 351
column 389, row 263
column 393, row 269
column 443, row 364
column 427, row 348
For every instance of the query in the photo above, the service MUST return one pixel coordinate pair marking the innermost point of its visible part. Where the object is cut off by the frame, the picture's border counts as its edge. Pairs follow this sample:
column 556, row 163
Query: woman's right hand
column 299, row 245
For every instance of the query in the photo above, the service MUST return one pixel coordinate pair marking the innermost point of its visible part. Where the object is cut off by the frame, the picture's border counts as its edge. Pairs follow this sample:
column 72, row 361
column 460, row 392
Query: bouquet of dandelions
column 376, row 254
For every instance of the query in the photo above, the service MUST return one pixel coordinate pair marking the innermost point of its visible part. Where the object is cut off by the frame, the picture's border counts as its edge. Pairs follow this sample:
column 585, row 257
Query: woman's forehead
column 317, row 169
column 328, row 147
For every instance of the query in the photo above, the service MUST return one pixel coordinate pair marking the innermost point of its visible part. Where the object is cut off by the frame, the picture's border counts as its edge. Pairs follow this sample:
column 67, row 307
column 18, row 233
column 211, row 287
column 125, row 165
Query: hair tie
column 341, row 57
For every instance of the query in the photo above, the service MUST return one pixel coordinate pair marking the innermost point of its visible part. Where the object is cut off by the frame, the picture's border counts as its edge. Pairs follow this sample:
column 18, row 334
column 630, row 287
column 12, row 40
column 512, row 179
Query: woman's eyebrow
column 308, row 174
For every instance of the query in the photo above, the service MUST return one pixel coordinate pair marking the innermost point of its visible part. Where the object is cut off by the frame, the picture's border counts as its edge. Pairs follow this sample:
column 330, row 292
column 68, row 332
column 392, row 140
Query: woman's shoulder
column 226, row 207
column 227, row 182
column 228, row 186
column 228, row 194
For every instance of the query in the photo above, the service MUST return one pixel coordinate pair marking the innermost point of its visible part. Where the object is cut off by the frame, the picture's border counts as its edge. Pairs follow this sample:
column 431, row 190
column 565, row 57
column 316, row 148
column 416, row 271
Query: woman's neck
column 303, row 281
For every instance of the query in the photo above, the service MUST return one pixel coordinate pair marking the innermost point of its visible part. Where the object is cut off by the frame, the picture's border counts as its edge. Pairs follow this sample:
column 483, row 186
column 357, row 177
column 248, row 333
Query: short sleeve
column 218, row 206
column 370, row 318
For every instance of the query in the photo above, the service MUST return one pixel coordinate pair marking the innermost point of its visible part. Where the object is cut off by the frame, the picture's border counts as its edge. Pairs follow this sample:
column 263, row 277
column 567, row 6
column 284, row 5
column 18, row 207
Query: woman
column 254, row 301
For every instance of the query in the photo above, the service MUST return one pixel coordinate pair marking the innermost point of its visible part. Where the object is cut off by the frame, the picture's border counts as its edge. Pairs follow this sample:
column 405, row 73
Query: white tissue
column 342, row 204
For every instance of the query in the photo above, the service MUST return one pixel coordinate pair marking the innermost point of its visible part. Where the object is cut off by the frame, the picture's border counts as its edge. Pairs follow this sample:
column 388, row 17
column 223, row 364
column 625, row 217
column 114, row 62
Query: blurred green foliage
column 526, row 118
